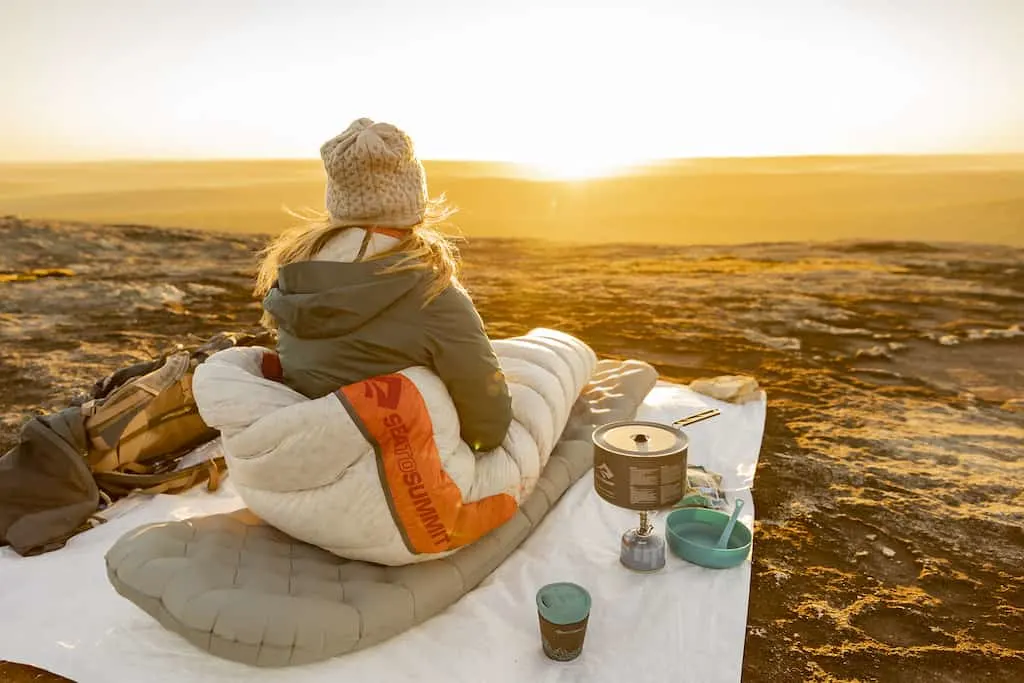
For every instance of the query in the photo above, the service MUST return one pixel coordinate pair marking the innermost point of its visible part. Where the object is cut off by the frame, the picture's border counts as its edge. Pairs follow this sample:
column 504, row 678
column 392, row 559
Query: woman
column 373, row 288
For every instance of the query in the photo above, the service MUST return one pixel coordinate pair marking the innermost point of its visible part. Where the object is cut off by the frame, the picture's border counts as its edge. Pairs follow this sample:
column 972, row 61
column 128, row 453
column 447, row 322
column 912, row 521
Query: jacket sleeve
column 465, row 361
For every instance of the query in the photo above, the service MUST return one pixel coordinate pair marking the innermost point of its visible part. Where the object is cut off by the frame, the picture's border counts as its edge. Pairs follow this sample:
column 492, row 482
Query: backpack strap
column 135, row 477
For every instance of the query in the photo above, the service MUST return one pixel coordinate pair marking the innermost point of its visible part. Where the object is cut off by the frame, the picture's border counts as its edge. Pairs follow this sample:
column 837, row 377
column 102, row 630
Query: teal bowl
column 692, row 534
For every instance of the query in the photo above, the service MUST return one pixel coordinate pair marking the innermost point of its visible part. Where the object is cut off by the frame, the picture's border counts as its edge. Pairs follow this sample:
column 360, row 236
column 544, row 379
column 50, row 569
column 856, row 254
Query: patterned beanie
column 374, row 177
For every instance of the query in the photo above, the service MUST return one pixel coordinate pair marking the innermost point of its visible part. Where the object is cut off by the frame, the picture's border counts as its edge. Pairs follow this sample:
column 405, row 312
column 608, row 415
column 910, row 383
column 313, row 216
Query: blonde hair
column 425, row 247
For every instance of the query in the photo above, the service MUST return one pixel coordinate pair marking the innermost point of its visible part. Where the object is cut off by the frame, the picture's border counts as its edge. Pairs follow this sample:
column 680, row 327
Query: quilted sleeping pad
column 243, row 590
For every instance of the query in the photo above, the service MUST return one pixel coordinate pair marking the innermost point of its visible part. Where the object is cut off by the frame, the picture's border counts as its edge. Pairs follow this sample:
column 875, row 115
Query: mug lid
column 563, row 603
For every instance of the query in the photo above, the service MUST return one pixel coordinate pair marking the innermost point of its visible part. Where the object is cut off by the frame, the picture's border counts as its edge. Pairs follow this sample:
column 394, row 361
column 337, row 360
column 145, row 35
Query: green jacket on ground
column 340, row 323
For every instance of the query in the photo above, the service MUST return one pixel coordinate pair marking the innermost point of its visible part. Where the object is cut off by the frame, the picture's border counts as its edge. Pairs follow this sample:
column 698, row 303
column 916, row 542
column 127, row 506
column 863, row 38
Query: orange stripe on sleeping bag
column 426, row 504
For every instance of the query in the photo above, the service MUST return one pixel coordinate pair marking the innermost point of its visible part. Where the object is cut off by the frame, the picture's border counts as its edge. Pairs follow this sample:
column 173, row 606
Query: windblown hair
column 425, row 248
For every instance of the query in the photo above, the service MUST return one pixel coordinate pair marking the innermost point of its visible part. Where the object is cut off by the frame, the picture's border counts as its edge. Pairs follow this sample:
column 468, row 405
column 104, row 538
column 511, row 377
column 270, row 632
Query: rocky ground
column 889, row 540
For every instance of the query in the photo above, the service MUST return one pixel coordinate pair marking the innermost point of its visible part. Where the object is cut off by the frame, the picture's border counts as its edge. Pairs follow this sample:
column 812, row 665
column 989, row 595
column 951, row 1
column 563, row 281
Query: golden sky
column 568, row 87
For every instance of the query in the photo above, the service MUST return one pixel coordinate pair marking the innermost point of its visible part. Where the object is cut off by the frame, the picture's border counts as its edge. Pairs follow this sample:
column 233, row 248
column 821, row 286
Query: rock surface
column 892, row 369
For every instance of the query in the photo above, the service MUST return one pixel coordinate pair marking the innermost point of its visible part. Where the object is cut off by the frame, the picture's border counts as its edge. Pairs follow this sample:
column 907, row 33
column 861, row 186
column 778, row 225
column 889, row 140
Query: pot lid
column 640, row 438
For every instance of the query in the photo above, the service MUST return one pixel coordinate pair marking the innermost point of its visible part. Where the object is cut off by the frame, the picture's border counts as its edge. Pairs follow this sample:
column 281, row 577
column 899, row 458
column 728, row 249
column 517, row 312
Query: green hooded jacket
column 340, row 323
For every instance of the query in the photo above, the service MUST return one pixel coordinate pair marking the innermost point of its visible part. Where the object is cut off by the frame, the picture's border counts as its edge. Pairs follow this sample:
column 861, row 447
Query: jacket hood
column 317, row 299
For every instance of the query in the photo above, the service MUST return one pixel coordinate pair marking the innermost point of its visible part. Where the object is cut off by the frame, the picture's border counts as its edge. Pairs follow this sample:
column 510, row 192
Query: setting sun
column 576, row 168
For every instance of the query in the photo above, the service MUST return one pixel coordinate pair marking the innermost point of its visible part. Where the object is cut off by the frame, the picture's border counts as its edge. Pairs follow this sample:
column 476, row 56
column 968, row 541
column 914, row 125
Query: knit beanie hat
column 374, row 177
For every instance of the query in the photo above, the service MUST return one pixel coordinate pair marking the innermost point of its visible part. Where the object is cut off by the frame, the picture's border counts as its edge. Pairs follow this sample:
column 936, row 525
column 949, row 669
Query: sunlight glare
column 578, row 168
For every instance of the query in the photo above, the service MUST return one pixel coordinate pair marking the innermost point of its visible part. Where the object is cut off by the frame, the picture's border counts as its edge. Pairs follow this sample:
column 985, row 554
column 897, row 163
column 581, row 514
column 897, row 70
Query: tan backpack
column 139, row 431
column 137, row 434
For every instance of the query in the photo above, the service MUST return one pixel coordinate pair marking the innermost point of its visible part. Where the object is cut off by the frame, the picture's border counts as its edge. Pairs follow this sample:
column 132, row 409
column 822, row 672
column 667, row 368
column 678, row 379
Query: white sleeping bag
column 377, row 471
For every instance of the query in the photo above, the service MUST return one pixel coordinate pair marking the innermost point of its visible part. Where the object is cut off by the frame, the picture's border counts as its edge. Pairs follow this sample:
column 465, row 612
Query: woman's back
column 342, row 322
column 374, row 289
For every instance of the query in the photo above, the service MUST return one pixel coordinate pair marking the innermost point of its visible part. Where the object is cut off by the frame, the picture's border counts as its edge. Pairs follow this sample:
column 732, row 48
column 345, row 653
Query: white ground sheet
column 683, row 623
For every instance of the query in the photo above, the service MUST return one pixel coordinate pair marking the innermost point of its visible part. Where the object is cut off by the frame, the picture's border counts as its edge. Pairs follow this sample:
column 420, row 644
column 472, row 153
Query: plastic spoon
column 727, row 532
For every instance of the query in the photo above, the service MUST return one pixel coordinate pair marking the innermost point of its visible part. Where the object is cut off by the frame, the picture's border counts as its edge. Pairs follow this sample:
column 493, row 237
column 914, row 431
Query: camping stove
column 640, row 466
column 642, row 549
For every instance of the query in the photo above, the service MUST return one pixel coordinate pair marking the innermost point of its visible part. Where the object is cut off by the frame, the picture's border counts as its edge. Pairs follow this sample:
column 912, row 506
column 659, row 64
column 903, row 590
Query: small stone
column 888, row 552
column 860, row 553
column 871, row 537
column 875, row 351
column 1013, row 404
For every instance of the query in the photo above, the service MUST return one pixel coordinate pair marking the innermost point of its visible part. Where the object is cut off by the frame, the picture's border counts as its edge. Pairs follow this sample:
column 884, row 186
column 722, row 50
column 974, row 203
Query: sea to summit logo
column 387, row 390
column 605, row 472
column 402, row 434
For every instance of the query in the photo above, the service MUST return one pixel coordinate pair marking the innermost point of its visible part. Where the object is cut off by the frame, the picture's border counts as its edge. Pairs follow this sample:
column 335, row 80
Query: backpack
column 131, row 434
column 143, row 420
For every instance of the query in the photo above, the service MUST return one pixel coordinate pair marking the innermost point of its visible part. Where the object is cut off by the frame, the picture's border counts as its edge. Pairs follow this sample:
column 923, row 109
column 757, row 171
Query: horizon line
column 508, row 162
